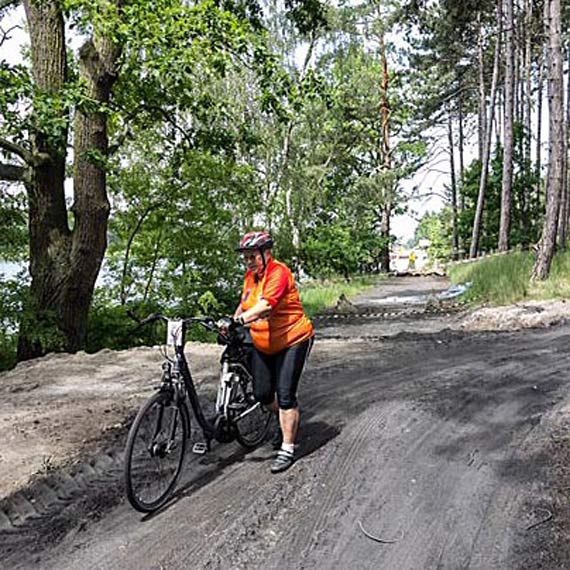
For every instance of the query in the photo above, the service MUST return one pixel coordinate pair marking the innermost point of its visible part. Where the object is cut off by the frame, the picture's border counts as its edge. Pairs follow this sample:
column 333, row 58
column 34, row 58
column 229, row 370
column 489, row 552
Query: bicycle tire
column 157, row 463
column 253, row 428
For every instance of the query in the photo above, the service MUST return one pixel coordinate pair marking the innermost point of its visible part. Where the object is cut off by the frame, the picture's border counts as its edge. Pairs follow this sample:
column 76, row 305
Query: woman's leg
column 263, row 367
column 289, row 422
column 289, row 366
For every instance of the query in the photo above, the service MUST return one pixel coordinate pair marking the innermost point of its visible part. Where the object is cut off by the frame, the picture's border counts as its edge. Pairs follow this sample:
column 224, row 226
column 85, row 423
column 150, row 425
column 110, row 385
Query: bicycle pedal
column 200, row 448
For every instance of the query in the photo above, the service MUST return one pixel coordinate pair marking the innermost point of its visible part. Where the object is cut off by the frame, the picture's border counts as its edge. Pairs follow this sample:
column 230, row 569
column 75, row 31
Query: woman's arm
column 260, row 310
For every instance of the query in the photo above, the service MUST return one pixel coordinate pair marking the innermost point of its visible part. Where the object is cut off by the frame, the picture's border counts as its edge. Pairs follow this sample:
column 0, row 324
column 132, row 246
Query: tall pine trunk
column 543, row 262
column 538, row 158
column 385, row 157
column 486, row 146
column 460, row 119
column 482, row 116
column 507, row 179
column 527, row 115
column 565, row 200
column 455, row 233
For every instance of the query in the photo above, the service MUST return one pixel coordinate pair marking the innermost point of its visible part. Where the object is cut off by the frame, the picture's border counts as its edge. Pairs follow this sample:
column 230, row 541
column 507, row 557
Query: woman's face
column 253, row 261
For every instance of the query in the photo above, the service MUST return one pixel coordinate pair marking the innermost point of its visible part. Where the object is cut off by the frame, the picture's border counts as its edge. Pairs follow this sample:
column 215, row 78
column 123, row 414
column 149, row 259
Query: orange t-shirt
column 287, row 324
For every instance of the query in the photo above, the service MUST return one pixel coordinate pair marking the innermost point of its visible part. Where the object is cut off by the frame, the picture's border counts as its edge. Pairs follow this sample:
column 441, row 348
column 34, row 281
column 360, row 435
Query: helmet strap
column 256, row 276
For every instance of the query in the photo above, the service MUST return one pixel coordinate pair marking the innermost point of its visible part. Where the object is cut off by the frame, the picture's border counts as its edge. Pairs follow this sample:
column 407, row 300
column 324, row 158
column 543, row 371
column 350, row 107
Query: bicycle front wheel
column 155, row 452
column 252, row 419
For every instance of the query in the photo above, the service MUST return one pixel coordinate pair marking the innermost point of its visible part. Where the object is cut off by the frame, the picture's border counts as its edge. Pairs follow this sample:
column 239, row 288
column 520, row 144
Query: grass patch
column 318, row 295
column 505, row 279
column 557, row 286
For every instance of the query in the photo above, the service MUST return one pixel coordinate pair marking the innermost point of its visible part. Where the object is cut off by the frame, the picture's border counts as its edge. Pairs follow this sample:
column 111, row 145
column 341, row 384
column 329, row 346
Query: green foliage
column 436, row 227
column 13, row 221
column 307, row 15
column 174, row 238
column 213, row 129
column 42, row 326
column 526, row 213
column 209, row 305
column 110, row 327
column 335, row 247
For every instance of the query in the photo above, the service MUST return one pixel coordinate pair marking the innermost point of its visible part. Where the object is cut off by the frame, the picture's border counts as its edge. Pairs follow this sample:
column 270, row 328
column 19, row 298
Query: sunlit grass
column 505, row 279
column 557, row 286
column 318, row 295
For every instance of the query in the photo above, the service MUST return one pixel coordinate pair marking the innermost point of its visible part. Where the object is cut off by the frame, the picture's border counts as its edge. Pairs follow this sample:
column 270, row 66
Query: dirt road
column 422, row 448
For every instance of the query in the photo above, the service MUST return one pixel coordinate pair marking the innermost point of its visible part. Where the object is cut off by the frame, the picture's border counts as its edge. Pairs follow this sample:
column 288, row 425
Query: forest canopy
column 140, row 139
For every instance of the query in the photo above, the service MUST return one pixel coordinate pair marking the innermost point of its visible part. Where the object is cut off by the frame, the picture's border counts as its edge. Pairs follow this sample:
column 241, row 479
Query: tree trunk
column 527, row 113
column 64, row 263
column 482, row 117
column 487, row 149
column 455, row 236
column 565, row 200
column 98, row 68
column 507, row 180
column 567, row 151
column 460, row 119
column 498, row 119
column 385, row 154
column 543, row 262
column 538, row 167
column 40, row 326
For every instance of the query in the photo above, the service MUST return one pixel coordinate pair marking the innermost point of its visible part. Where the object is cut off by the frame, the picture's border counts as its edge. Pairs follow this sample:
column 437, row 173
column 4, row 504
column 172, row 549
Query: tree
column 67, row 245
column 507, row 184
column 554, row 181
column 437, row 228
column 64, row 260
column 486, row 146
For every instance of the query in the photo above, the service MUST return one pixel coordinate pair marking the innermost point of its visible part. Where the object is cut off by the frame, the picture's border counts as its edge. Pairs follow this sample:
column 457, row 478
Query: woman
column 282, row 337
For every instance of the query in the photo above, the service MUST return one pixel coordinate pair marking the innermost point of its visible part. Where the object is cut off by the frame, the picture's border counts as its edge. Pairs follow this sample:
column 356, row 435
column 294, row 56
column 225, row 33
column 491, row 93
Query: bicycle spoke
column 253, row 423
column 155, row 453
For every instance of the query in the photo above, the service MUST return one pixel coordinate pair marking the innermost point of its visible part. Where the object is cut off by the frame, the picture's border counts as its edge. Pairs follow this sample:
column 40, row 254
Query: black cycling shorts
column 279, row 374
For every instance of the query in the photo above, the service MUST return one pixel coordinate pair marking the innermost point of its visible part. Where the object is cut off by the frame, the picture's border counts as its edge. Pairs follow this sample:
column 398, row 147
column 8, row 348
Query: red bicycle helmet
column 255, row 241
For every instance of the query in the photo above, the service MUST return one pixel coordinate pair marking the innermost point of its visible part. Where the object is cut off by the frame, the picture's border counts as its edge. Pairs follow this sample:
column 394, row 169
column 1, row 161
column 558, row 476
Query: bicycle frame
column 233, row 368
column 161, row 431
column 232, row 361
column 181, row 368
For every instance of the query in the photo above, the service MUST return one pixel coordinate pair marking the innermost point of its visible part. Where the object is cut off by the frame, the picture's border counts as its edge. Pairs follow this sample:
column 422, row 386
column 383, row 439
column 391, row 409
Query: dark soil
column 450, row 448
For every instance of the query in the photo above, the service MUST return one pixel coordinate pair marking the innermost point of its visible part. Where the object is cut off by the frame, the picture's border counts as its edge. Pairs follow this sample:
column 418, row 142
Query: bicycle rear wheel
column 252, row 418
column 155, row 452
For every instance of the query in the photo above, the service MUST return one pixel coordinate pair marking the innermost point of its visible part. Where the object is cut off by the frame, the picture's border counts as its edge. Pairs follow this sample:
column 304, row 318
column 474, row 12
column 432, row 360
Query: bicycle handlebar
column 207, row 322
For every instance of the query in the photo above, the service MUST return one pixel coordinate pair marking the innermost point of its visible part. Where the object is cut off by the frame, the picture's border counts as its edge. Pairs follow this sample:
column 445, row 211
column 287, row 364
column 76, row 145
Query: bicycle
column 157, row 440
